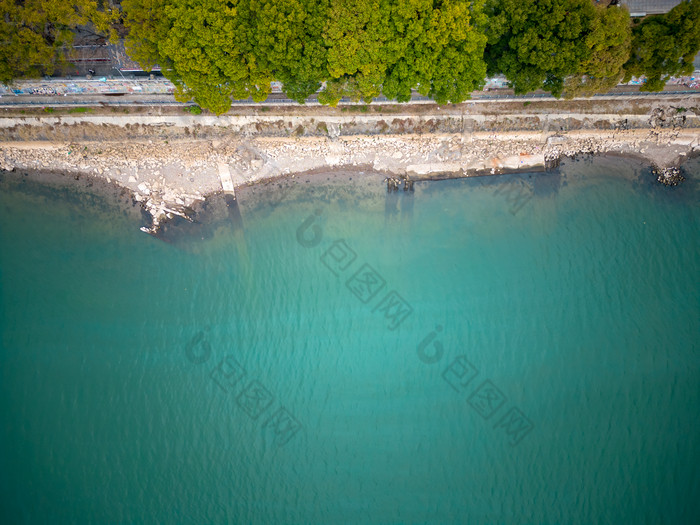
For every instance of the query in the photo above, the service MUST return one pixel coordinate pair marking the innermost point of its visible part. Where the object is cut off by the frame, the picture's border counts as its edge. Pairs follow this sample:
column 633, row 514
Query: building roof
column 649, row 7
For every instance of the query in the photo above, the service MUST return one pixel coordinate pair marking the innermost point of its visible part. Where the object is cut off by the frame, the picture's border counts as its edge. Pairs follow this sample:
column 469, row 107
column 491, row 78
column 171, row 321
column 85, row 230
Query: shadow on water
column 88, row 198
column 407, row 205
column 546, row 184
column 687, row 193
column 391, row 206
column 638, row 172
column 219, row 211
column 215, row 212
column 398, row 200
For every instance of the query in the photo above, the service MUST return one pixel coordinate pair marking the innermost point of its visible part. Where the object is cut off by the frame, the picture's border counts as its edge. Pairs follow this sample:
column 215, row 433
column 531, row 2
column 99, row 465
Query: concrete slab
column 225, row 176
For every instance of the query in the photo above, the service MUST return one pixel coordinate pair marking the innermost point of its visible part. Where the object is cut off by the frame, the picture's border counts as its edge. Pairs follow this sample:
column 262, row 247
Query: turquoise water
column 517, row 349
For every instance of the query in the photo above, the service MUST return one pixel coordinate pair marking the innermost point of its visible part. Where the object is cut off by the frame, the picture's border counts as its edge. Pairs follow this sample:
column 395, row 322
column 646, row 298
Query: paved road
column 151, row 97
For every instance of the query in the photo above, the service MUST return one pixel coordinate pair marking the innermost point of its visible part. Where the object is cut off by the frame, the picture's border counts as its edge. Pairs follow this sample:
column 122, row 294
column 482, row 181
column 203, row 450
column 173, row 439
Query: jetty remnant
column 668, row 176
column 393, row 183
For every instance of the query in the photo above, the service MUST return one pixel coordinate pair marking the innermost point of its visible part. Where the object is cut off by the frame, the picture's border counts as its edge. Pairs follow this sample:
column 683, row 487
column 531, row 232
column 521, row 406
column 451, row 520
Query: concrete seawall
column 171, row 162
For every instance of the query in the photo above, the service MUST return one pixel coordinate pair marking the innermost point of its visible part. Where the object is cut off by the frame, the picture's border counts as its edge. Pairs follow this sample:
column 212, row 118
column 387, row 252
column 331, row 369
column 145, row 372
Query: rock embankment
column 168, row 176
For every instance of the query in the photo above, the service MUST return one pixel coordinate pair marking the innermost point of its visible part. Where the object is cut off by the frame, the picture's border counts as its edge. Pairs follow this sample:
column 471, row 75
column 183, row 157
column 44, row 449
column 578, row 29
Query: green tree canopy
column 536, row 44
column 394, row 46
column 609, row 44
column 436, row 49
column 665, row 45
column 202, row 46
column 288, row 41
column 213, row 50
column 146, row 25
column 216, row 50
column 36, row 35
column 355, row 34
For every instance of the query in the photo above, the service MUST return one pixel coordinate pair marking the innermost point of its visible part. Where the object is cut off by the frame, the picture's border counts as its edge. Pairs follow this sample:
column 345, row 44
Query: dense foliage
column 218, row 50
column 394, row 46
column 557, row 45
column 665, row 45
column 213, row 50
column 35, row 35
column 607, row 50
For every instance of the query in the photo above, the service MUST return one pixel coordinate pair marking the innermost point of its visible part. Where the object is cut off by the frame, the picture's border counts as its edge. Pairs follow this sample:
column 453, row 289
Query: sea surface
column 512, row 349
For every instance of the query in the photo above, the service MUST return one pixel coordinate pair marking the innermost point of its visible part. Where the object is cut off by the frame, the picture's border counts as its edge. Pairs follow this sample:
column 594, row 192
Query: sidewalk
column 82, row 86
column 161, row 86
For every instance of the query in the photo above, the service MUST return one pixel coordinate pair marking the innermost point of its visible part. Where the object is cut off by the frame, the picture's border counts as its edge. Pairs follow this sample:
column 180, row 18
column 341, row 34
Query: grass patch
column 362, row 108
column 80, row 110
column 195, row 110
column 49, row 110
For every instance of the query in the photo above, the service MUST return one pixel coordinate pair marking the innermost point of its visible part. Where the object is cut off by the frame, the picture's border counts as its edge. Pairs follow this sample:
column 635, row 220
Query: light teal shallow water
column 263, row 372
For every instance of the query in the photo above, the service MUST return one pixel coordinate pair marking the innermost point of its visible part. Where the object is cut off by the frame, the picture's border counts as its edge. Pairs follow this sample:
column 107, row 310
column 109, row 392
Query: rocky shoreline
column 169, row 174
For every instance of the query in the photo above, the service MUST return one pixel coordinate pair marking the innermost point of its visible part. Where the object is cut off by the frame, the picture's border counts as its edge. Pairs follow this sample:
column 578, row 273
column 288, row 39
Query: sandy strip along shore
column 171, row 163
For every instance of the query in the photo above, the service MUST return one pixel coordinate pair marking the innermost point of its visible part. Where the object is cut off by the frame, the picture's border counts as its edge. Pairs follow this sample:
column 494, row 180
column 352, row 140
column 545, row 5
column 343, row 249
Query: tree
column 435, row 50
column 36, row 35
column 213, row 50
column 203, row 46
column 457, row 52
column 609, row 44
column 146, row 25
column 355, row 34
column 395, row 46
column 536, row 44
column 288, row 41
column 665, row 45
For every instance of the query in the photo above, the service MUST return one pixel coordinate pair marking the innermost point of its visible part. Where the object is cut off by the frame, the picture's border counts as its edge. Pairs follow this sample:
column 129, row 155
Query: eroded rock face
column 667, row 117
